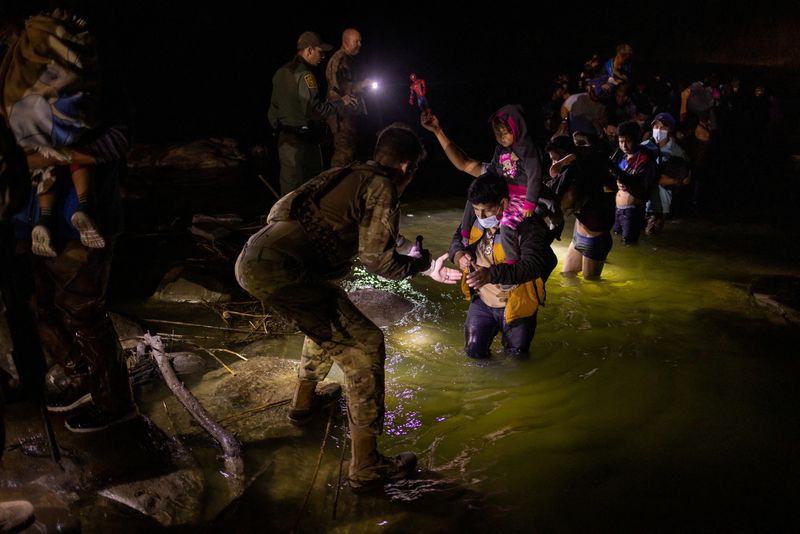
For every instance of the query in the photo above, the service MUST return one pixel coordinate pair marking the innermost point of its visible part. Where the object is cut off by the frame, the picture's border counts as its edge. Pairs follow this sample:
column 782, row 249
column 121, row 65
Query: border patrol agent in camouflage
column 292, row 264
column 341, row 81
column 296, row 113
column 310, row 239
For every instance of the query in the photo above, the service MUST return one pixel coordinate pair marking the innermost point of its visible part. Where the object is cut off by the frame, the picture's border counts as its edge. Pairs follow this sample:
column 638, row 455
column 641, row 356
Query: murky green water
column 658, row 399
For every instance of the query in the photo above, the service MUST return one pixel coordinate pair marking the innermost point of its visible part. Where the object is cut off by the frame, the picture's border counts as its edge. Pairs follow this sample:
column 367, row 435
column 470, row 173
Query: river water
column 660, row 398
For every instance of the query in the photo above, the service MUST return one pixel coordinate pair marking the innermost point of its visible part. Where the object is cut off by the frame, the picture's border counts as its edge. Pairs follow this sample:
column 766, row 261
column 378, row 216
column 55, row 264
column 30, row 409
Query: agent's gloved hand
column 416, row 251
column 441, row 273
column 424, row 256
column 403, row 246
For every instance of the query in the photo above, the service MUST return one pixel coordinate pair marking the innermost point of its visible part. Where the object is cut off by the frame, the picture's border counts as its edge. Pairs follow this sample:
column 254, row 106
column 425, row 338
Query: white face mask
column 660, row 135
column 488, row 222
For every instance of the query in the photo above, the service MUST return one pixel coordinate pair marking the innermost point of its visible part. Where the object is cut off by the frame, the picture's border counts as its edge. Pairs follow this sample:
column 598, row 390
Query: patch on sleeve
column 311, row 82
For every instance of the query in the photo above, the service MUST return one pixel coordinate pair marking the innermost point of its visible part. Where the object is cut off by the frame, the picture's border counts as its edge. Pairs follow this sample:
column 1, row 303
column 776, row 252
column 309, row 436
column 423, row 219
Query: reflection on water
column 659, row 398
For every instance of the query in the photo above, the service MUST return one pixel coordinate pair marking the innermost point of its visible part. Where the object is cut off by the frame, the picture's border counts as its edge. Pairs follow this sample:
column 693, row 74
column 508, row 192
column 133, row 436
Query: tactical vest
column 303, row 205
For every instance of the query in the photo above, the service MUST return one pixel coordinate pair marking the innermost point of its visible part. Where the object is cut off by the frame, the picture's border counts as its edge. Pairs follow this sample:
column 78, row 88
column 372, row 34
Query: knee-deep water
column 660, row 398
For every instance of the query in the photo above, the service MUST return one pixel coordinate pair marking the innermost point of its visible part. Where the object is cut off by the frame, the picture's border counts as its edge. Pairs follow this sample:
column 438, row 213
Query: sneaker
column 93, row 419
column 68, row 400
column 42, row 242
column 65, row 392
column 90, row 236
column 384, row 471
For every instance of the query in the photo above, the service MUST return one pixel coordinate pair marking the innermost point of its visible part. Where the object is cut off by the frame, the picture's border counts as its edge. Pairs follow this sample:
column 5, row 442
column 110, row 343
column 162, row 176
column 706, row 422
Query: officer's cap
column 312, row 39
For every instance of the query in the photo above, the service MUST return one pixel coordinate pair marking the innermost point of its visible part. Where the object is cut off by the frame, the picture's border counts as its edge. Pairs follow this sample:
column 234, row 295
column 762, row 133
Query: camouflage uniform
column 339, row 74
column 293, row 263
column 296, row 112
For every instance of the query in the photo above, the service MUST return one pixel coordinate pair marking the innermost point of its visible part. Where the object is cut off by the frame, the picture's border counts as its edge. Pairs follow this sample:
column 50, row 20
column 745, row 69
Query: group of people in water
column 613, row 158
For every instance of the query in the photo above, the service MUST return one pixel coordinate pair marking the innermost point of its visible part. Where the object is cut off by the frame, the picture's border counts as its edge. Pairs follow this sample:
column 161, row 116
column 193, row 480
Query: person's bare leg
column 41, row 236
column 81, row 220
column 572, row 262
column 592, row 269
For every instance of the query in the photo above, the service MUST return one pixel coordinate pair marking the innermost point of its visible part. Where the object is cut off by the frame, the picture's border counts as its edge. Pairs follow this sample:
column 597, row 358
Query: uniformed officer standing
column 293, row 264
column 296, row 113
column 340, row 76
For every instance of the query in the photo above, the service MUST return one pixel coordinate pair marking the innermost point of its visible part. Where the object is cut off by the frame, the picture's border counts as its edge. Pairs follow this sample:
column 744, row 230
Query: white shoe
column 42, row 242
column 85, row 226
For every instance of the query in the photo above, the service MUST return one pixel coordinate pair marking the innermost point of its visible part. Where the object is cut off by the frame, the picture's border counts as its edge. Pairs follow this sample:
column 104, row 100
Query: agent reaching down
column 311, row 238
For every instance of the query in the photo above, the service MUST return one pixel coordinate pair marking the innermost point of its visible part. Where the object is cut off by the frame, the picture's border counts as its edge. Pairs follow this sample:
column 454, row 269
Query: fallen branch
column 232, row 352
column 232, row 449
column 231, row 371
column 243, row 413
column 180, row 323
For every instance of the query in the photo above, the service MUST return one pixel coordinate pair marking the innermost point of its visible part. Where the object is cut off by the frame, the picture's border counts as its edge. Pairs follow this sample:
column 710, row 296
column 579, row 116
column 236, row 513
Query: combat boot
column 369, row 470
column 307, row 401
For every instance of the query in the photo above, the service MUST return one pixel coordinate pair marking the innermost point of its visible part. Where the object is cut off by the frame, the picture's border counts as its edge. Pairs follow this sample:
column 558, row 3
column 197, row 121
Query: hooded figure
column 518, row 160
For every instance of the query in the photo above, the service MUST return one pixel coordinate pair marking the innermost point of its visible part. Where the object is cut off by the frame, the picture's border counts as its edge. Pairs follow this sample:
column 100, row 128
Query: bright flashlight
column 374, row 86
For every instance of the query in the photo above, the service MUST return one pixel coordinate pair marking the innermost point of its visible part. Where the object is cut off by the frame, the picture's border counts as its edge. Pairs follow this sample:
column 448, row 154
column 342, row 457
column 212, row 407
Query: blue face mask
column 488, row 222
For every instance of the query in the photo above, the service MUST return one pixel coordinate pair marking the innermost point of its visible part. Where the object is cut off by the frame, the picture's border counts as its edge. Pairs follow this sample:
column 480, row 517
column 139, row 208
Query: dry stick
column 269, row 186
column 179, row 323
column 316, row 471
column 181, row 336
column 243, row 413
column 341, row 462
column 237, row 303
column 234, row 353
column 231, row 371
column 231, row 312
column 231, row 447
column 212, row 308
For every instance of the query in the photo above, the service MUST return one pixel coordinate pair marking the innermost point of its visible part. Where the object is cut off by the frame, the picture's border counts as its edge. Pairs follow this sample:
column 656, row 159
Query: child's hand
column 462, row 259
column 429, row 121
column 566, row 160
column 527, row 213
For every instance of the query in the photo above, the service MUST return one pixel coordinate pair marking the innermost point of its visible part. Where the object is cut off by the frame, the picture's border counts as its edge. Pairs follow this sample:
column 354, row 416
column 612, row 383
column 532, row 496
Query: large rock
column 382, row 307
column 780, row 295
column 182, row 290
column 252, row 404
column 172, row 499
column 150, row 470
column 213, row 153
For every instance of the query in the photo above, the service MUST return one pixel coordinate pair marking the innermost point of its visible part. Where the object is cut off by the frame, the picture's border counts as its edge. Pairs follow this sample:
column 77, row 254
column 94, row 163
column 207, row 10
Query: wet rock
column 182, row 290
column 780, row 295
column 51, row 510
column 142, row 367
column 89, row 461
column 172, row 499
column 382, row 307
column 213, row 153
column 252, row 404
column 129, row 331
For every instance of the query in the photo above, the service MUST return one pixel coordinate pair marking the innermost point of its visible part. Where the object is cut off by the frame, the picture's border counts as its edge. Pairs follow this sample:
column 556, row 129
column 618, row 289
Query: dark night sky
column 190, row 72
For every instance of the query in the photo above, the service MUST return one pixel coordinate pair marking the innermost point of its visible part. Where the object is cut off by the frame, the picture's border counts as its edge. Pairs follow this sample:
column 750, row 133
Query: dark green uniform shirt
column 295, row 97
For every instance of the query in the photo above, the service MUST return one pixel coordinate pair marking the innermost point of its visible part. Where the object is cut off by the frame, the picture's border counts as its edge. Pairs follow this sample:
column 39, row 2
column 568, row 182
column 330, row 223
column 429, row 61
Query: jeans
column 484, row 323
